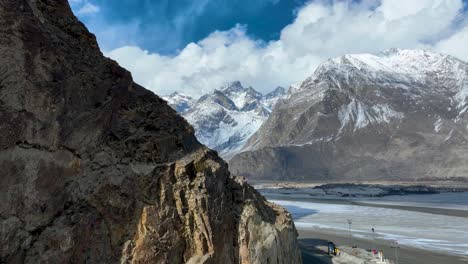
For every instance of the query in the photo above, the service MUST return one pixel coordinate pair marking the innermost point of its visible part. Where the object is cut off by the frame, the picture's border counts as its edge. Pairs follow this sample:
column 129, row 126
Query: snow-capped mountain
column 224, row 119
column 179, row 102
column 271, row 98
column 400, row 114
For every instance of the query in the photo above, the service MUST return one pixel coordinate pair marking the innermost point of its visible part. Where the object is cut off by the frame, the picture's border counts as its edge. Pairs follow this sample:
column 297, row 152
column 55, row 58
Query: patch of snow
column 361, row 115
column 320, row 139
column 449, row 136
column 346, row 114
column 362, row 119
column 462, row 95
column 460, row 114
column 461, row 99
column 239, row 99
column 438, row 125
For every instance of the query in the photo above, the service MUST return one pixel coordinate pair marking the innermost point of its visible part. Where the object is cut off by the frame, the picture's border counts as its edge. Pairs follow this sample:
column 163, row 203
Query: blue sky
column 166, row 26
column 196, row 46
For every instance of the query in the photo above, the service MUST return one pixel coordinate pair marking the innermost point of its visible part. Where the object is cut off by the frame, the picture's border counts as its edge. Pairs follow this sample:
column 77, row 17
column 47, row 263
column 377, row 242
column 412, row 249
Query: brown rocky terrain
column 96, row 169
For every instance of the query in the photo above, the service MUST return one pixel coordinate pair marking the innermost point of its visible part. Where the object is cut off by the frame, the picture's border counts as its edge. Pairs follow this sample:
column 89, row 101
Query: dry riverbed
column 430, row 227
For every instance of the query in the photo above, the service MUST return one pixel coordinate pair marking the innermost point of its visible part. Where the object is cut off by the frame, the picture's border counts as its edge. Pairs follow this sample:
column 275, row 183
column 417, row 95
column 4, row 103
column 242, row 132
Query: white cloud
column 322, row 29
column 456, row 44
column 84, row 7
column 88, row 9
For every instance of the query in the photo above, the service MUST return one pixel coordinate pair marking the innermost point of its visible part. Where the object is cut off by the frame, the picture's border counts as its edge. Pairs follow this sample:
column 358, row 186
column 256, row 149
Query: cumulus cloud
column 455, row 44
column 88, row 9
column 84, row 7
column 322, row 29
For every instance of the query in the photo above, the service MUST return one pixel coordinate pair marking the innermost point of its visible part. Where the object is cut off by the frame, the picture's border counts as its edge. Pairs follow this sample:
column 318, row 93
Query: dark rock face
column 399, row 115
column 96, row 169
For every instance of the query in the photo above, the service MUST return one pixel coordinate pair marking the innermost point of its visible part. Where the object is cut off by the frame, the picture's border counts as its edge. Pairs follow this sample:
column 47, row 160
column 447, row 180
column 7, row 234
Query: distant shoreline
column 455, row 185
column 428, row 210
column 353, row 194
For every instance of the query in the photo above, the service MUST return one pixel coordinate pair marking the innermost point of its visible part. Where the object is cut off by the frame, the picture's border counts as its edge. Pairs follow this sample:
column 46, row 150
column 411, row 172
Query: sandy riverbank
column 430, row 225
column 430, row 228
column 311, row 239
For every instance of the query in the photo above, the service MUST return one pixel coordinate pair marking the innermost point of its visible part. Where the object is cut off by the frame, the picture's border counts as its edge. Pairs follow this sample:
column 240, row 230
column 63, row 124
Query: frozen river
column 421, row 230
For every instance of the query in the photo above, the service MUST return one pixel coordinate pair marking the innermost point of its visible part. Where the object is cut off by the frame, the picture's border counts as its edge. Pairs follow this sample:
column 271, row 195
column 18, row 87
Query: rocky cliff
column 96, row 169
column 397, row 115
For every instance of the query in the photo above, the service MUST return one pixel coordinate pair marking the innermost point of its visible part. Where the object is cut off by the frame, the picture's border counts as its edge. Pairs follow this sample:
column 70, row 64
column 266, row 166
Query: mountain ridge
column 375, row 111
column 225, row 118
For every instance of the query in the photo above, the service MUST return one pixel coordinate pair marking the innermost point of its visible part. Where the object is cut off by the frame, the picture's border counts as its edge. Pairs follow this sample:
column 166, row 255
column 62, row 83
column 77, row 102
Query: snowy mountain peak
column 179, row 101
column 219, row 98
column 394, row 69
column 395, row 61
column 279, row 91
column 399, row 114
column 369, row 90
column 408, row 53
column 245, row 99
column 226, row 118
column 233, row 87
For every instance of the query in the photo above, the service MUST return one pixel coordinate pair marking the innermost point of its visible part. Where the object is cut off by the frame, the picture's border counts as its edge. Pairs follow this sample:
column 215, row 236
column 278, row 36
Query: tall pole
column 350, row 221
column 396, row 254
column 373, row 239
column 396, row 247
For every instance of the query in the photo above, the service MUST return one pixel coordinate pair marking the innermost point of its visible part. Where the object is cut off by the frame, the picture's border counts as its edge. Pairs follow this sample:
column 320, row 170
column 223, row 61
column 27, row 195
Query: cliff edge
column 96, row 169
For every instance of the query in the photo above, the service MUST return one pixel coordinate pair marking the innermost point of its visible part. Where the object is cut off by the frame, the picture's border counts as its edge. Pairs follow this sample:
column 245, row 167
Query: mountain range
column 226, row 118
column 396, row 115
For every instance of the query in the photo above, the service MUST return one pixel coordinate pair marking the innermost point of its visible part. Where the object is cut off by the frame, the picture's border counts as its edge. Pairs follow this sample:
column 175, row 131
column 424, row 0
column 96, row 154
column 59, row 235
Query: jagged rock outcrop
column 398, row 115
column 96, row 169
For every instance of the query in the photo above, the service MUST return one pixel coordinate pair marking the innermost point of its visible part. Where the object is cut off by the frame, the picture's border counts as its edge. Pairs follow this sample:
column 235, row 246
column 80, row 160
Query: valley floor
column 430, row 228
